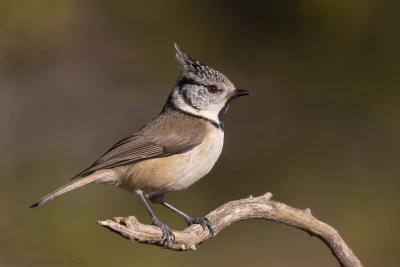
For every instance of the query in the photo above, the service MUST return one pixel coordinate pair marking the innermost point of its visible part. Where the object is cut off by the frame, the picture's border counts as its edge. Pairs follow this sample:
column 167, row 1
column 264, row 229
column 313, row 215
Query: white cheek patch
column 211, row 113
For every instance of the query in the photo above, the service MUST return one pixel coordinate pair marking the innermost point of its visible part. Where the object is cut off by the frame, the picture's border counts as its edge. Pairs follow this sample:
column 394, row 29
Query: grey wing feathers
column 133, row 148
column 146, row 145
column 125, row 153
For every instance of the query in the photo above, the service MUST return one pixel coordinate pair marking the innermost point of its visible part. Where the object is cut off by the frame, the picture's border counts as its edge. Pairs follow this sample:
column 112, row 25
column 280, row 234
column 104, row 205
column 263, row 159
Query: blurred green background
column 321, row 129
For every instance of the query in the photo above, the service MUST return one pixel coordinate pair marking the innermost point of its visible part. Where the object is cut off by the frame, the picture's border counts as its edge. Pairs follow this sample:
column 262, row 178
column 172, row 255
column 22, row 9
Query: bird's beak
column 240, row 92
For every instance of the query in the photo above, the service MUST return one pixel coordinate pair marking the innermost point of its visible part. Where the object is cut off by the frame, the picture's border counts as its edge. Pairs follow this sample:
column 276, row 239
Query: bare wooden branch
column 249, row 208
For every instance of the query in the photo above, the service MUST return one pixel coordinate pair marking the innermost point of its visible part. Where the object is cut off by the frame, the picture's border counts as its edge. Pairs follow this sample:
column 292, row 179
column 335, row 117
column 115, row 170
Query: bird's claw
column 168, row 235
column 203, row 221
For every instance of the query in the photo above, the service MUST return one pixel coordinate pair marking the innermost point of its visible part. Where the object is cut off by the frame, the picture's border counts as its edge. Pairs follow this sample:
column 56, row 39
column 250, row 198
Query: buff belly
column 177, row 172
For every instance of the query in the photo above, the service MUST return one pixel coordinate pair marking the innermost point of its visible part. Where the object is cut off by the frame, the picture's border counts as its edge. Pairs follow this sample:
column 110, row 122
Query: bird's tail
column 75, row 183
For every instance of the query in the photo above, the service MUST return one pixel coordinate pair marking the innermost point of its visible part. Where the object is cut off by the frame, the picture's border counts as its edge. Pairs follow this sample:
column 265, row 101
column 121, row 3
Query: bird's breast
column 177, row 172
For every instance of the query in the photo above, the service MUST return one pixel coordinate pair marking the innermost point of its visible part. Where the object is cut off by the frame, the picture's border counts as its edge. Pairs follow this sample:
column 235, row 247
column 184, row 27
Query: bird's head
column 201, row 90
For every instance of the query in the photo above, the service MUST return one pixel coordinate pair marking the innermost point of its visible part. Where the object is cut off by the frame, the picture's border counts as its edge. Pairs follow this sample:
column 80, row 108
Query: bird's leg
column 203, row 221
column 168, row 235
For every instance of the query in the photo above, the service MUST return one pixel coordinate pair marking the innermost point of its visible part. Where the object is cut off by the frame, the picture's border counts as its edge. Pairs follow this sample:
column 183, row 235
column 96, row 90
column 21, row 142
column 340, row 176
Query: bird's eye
column 212, row 89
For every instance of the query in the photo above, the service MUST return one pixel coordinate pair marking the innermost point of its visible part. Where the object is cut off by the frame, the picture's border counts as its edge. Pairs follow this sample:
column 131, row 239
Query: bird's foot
column 168, row 235
column 203, row 221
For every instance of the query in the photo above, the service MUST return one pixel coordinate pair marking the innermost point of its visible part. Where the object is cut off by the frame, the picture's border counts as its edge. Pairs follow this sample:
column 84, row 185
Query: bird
column 172, row 151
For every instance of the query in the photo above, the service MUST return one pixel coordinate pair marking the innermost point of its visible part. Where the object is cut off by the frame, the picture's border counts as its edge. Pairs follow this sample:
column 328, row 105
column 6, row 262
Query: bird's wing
column 150, row 142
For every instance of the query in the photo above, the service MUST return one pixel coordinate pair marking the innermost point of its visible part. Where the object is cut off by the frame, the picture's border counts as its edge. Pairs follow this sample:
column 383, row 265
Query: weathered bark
column 249, row 208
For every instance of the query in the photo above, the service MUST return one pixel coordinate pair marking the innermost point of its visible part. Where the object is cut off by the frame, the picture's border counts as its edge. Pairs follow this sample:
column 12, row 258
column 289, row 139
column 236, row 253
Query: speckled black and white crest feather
column 197, row 68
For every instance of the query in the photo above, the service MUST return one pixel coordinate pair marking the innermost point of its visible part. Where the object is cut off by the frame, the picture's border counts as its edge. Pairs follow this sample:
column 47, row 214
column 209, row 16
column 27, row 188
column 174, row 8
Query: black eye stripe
column 188, row 81
column 184, row 94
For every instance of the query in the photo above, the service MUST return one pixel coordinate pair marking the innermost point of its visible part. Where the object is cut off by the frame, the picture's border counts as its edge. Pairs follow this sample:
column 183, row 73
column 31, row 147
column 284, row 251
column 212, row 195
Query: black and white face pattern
column 201, row 90
column 204, row 98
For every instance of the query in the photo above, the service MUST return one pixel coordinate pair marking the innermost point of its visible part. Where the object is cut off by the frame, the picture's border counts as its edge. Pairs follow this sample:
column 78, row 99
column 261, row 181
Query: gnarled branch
column 249, row 208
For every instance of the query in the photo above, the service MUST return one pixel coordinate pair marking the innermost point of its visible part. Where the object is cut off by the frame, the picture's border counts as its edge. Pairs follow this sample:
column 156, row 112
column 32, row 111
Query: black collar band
column 214, row 123
column 171, row 105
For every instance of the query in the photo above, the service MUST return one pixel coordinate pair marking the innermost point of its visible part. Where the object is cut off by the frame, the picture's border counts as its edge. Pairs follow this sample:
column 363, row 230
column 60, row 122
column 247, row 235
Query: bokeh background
column 321, row 129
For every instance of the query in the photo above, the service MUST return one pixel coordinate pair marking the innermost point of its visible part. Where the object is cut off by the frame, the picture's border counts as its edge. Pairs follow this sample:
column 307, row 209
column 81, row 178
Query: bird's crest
column 197, row 68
